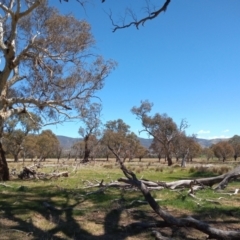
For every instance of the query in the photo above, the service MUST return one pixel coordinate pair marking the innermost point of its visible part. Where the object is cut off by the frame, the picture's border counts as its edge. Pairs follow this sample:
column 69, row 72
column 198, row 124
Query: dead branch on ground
column 168, row 218
column 31, row 173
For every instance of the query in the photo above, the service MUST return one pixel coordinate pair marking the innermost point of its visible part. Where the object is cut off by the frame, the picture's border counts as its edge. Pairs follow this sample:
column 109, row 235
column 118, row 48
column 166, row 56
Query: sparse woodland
column 172, row 190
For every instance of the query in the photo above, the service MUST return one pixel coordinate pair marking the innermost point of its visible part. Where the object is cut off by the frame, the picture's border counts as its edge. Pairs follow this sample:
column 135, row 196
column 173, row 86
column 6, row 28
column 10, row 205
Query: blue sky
column 186, row 62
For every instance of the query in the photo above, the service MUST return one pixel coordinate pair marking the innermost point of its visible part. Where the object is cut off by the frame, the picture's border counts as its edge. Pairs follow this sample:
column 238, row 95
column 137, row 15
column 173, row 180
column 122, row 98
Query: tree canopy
column 48, row 64
column 16, row 129
column 161, row 127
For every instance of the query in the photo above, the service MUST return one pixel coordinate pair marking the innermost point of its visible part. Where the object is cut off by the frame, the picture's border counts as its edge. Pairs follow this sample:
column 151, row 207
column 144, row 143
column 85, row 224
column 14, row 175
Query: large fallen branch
column 194, row 185
column 221, row 180
column 168, row 218
column 101, row 184
column 30, row 172
column 27, row 172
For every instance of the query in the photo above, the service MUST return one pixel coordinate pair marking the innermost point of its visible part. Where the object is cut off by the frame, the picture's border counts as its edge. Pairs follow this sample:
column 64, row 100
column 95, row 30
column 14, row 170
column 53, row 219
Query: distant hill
column 146, row 142
column 203, row 142
column 208, row 142
column 67, row 142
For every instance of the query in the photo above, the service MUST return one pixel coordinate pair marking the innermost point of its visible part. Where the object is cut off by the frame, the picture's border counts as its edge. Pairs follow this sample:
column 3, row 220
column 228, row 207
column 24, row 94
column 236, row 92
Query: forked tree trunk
column 4, row 170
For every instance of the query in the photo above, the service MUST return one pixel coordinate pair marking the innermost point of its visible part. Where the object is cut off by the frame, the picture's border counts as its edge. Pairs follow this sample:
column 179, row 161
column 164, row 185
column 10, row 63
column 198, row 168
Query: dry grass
column 107, row 215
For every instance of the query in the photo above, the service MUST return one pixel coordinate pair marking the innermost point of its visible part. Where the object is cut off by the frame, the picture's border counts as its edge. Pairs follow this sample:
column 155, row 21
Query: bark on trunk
column 15, row 158
column 86, row 150
column 4, row 170
column 169, row 159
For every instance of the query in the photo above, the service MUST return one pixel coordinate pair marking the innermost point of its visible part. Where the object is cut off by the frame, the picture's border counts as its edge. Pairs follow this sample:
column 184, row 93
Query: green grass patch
column 76, row 214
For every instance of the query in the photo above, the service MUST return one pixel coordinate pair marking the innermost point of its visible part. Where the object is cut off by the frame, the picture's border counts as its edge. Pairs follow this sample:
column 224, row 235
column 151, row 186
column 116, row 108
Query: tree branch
column 30, row 9
column 168, row 218
column 142, row 21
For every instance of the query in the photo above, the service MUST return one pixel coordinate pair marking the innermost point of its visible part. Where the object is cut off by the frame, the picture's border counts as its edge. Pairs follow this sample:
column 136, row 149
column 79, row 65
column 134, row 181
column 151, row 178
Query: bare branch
column 168, row 218
column 142, row 21
column 29, row 10
column 6, row 9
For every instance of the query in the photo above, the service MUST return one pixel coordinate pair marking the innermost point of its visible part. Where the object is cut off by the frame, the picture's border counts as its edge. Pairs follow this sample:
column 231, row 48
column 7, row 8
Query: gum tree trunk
column 86, row 149
column 4, row 170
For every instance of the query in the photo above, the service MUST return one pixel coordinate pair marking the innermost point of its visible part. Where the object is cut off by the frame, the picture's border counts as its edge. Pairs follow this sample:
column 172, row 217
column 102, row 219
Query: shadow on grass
column 202, row 174
column 233, row 213
column 60, row 210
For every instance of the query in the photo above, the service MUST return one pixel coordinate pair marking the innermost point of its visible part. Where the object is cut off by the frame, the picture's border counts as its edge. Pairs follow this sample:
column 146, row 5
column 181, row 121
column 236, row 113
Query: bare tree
column 48, row 66
column 150, row 12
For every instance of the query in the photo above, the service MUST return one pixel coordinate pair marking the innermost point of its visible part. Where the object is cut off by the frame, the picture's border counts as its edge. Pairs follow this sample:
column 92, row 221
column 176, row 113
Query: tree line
column 169, row 140
column 50, row 73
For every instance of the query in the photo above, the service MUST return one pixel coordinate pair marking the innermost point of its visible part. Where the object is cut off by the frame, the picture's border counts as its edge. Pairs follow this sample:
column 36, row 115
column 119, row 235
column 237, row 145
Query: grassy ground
column 112, row 214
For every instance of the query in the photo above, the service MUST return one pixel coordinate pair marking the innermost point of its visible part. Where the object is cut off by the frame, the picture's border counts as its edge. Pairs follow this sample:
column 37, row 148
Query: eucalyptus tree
column 77, row 150
column 30, row 146
column 208, row 153
column 47, row 145
column 157, row 149
column 223, row 150
column 117, row 136
column 161, row 127
column 132, row 145
column 16, row 128
column 90, row 118
column 48, row 65
column 186, row 148
column 141, row 152
column 235, row 143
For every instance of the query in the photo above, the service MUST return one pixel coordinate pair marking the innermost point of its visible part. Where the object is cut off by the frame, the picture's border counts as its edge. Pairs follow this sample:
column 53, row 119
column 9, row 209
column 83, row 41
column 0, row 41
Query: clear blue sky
column 186, row 62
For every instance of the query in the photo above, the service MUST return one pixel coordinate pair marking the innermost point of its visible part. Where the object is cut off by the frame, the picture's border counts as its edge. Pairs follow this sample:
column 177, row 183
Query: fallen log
column 27, row 173
column 180, row 222
column 222, row 181
column 167, row 217
column 30, row 172
column 235, row 173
